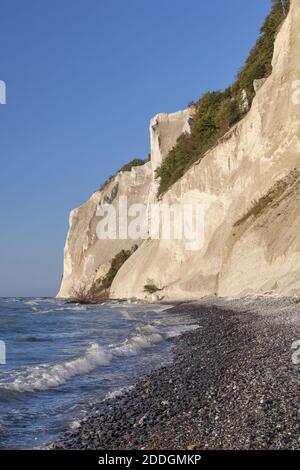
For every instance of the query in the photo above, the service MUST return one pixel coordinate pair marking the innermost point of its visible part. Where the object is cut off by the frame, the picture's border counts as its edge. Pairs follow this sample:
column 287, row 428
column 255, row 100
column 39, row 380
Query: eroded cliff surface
column 87, row 257
column 262, row 254
column 248, row 185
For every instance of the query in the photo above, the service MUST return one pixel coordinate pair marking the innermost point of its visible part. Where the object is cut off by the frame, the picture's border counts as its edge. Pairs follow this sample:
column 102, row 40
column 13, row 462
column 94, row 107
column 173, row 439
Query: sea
column 63, row 359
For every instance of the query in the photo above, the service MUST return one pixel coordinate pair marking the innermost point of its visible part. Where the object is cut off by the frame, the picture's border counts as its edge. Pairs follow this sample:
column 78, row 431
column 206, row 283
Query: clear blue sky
column 83, row 79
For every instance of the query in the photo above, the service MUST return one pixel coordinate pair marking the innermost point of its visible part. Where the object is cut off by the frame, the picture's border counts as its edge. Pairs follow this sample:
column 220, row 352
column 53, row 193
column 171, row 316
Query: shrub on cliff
column 115, row 265
column 151, row 288
column 83, row 294
column 214, row 114
column 217, row 111
column 259, row 63
column 99, row 291
column 127, row 167
column 132, row 163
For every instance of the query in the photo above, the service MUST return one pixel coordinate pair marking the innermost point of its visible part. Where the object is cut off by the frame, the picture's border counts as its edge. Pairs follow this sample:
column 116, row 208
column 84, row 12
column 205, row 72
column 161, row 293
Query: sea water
column 62, row 359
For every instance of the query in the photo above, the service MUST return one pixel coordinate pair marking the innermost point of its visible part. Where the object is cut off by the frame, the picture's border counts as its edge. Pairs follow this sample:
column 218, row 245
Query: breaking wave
column 44, row 376
column 47, row 376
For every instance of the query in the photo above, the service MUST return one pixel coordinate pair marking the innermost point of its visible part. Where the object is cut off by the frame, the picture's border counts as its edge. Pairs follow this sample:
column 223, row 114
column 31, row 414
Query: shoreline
column 231, row 385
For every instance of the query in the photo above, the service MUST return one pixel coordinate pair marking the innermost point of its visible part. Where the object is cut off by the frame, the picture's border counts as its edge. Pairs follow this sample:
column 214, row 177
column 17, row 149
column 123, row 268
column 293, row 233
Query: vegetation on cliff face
column 116, row 264
column 271, row 197
column 216, row 112
column 83, row 294
column 151, row 288
column 127, row 167
column 134, row 162
column 99, row 291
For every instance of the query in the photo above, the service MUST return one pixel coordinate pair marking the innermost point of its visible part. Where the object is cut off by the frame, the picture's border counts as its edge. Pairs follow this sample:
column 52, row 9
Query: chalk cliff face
column 86, row 257
column 249, row 187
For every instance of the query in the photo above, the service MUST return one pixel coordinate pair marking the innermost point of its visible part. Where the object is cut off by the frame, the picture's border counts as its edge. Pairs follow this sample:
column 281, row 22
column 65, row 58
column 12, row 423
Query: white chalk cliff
column 250, row 190
column 86, row 257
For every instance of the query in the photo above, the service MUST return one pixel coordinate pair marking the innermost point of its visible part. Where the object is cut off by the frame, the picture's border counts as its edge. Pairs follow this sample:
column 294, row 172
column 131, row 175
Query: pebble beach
column 232, row 384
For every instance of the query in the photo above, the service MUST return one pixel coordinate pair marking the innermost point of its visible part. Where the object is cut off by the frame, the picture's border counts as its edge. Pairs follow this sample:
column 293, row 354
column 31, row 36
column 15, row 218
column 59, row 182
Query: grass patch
column 260, row 205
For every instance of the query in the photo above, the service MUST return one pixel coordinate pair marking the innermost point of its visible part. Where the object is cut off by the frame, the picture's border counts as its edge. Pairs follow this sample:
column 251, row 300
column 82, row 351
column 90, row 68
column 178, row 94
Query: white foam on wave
column 48, row 376
column 45, row 376
column 30, row 302
column 75, row 424
column 127, row 316
column 180, row 329
column 136, row 344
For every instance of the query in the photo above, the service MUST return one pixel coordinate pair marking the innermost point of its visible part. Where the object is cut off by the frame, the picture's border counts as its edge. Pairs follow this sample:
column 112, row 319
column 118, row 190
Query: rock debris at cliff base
column 232, row 385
